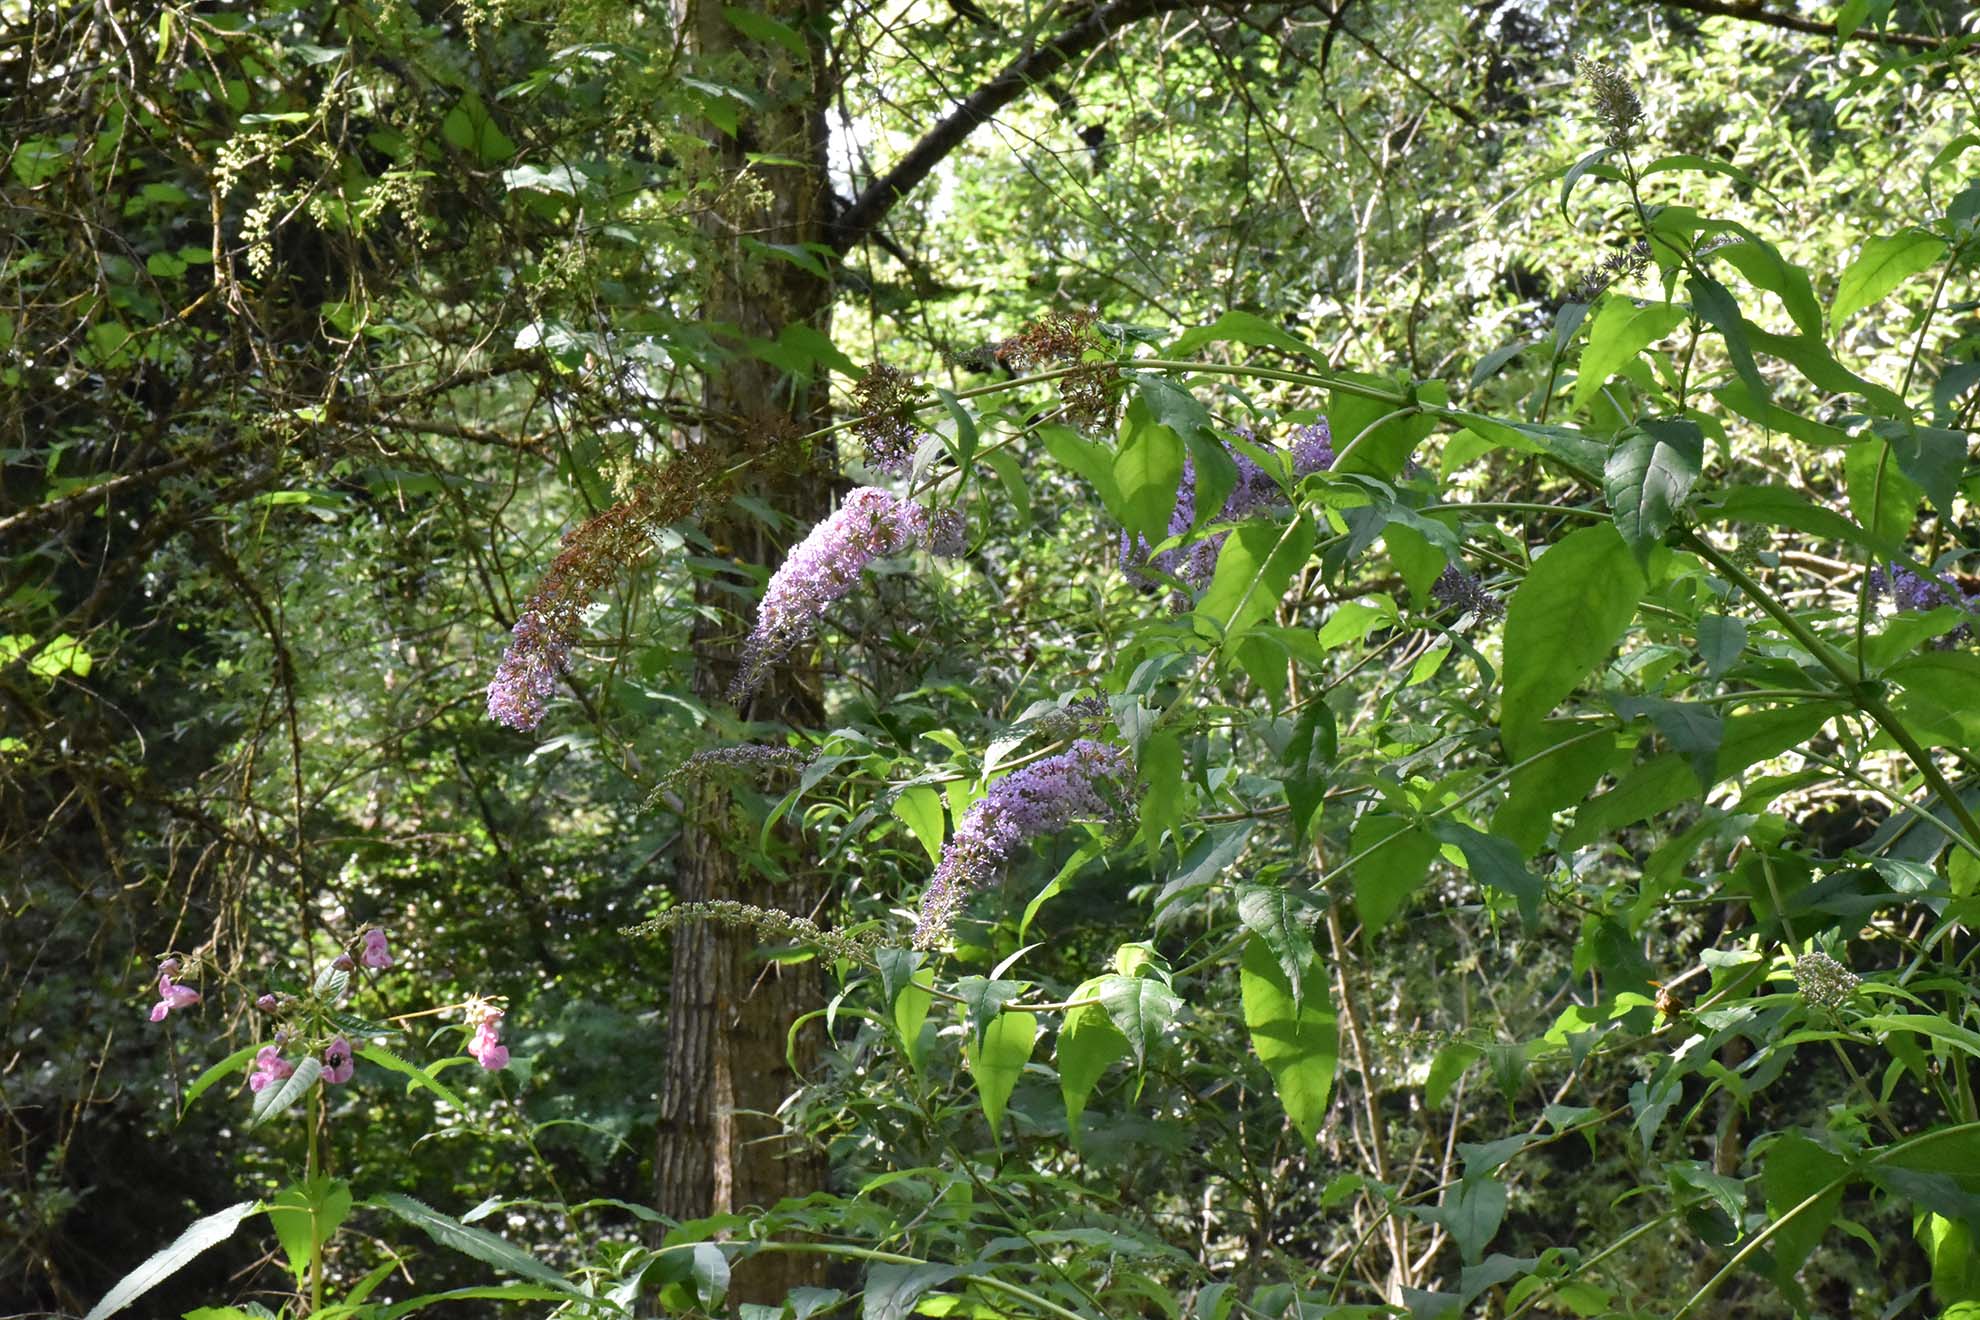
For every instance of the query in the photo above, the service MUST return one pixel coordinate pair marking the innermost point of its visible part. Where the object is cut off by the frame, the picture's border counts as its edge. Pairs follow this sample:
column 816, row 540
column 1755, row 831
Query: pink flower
column 338, row 1065
column 486, row 1047
column 375, row 954
column 269, row 1067
column 172, row 995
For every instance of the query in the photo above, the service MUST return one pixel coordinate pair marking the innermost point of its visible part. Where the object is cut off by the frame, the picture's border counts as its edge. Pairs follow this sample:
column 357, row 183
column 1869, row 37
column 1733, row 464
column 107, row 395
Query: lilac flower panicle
column 1914, row 591
column 1254, row 490
column 527, row 676
column 825, row 566
column 1313, row 449
column 1463, row 590
column 1087, row 779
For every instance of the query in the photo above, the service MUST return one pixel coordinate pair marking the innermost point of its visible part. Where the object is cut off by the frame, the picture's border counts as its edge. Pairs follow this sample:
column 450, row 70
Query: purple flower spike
column 1043, row 798
column 522, row 685
column 872, row 524
column 1312, row 451
column 1915, row 591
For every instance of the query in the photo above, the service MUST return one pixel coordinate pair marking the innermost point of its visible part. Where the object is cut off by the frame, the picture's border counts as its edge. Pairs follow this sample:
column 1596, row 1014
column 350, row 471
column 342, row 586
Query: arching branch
column 1756, row 13
column 858, row 221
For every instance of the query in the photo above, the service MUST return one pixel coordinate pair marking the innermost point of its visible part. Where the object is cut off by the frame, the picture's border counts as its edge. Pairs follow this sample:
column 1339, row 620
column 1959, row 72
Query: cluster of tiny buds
column 768, row 925
column 1824, row 982
column 1626, row 264
column 1467, row 594
column 1082, row 717
column 1613, row 98
column 753, row 757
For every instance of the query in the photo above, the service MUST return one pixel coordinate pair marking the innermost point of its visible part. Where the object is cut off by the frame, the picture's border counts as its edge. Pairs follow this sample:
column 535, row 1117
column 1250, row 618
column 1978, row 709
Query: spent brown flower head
column 886, row 398
column 596, row 552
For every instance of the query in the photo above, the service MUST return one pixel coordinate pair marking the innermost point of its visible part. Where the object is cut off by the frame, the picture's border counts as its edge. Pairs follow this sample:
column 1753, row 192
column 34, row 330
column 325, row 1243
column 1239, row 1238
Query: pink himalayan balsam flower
column 172, row 995
column 486, row 1047
column 338, row 1065
column 375, row 954
column 871, row 524
column 269, row 1067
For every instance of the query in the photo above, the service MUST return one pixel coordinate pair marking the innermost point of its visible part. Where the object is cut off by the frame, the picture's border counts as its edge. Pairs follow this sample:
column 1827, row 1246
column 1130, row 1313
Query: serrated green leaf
column 997, row 1059
column 278, row 1096
column 305, row 1216
column 415, row 1075
column 477, row 1243
column 1494, row 863
column 1255, row 566
column 1239, row 328
column 1141, row 1007
column 162, row 1265
column 233, row 1063
column 765, row 30
column 1147, row 471
column 1278, row 917
column 920, row 807
column 1089, row 1043
column 1715, row 304
column 1395, row 855
column 1794, row 1170
column 1648, row 478
column 892, row 1290
column 1309, row 762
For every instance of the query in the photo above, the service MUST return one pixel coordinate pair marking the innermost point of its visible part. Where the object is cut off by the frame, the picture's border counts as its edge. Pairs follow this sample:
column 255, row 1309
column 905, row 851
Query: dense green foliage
column 1521, row 863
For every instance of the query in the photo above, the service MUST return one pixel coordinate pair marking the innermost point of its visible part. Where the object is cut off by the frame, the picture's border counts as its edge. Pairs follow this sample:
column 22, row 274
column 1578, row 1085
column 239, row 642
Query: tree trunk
column 729, row 1011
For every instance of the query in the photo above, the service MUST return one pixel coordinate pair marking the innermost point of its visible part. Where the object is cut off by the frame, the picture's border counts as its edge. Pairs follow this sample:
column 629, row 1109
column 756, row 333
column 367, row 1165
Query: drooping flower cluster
column 486, row 1045
column 1455, row 587
column 593, row 556
column 1823, row 981
column 1195, row 564
column 1091, row 392
column 1087, row 779
column 521, row 688
column 1914, row 591
column 886, row 398
column 825, row 567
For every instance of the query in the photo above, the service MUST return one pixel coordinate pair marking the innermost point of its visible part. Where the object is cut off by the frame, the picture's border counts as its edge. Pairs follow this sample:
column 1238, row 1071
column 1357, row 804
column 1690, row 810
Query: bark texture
column 719, row 1147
